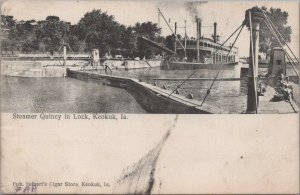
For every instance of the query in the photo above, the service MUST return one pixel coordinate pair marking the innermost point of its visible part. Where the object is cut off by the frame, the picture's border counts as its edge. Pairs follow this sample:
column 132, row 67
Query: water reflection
column 70, row 95
column 63, row 95
column 228, row 95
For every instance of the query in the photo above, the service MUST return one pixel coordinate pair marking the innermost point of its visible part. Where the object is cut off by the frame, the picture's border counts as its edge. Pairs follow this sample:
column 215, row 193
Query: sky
column 228, row 14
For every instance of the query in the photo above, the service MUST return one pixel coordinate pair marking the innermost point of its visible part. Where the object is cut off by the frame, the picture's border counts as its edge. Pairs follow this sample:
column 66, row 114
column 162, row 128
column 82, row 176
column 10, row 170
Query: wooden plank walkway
column 198, row 79
column 266, row 106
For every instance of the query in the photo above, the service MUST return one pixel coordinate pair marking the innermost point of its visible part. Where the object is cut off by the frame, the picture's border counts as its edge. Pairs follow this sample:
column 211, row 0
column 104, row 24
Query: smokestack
column 200, row 26
column 175, row 41
column 197, row 31
column 215, row 32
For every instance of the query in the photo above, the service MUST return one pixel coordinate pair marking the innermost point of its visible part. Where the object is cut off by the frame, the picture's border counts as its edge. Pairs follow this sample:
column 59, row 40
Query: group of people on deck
column 285, row 88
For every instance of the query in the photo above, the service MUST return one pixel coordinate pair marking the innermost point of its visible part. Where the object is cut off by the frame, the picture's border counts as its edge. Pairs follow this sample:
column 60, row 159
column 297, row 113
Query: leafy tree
column 24, row 36
column 127, row 41
column 280, row 19
column 149, row 30
column 170, row 42
column 52, row 32
column 7, row 21
column 96, row 29
column 52, row 18
column 99, row 30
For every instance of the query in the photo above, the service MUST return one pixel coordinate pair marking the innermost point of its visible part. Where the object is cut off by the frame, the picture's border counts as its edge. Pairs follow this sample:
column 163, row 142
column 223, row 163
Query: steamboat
column 196, row 53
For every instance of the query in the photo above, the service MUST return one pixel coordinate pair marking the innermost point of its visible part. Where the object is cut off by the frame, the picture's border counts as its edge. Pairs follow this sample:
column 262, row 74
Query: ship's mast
column 175, row 41
column 198, row 39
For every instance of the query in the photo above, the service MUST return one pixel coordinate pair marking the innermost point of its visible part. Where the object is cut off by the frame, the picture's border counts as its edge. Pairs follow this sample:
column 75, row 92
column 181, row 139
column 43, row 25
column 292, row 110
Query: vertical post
column 185, row 39
column 175, row 41
column 198, row 40
column 51, row 55
column 95, row 57
column 253, row 18
column 215, row 58
column 65, row 53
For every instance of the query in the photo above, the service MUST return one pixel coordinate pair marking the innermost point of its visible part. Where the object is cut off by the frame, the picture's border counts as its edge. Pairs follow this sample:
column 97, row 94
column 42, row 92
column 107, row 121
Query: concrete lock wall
column 134, row 64
column 30, row 69
column 114, row 64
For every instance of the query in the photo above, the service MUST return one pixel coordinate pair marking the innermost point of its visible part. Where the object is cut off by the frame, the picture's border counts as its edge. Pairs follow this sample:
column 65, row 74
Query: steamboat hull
column 193, row 65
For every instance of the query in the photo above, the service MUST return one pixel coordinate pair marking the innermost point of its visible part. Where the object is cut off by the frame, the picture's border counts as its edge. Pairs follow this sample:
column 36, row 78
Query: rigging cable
column 274, row 34
column 206, row 60
column 268, row 18
column 288, row 56
column 58, row 59
column 208, row 91
column 171, row 29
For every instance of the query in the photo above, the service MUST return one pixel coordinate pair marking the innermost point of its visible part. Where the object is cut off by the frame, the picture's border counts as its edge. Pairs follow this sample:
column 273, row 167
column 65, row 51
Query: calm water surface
column 63, row 95
column 227, row 95
column 70, row 95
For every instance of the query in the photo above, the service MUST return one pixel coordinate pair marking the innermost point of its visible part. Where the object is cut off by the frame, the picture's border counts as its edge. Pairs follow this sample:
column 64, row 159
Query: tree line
column 97, row 29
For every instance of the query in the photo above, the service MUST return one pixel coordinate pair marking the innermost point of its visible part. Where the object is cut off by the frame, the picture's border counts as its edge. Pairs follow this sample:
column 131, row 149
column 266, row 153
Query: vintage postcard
column 149, row 97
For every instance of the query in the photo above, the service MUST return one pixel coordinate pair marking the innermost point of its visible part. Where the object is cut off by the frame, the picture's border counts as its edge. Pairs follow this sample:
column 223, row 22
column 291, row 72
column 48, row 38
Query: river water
column 227, row 95
column 57, row 95
column 19, row 94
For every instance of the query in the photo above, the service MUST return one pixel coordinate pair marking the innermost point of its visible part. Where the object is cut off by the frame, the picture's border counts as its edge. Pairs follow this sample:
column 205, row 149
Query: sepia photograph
column 154, row 57
column 149, row 97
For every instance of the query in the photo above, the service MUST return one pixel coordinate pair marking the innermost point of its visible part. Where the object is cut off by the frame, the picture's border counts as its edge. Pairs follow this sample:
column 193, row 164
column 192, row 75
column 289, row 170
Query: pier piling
column 253, row 18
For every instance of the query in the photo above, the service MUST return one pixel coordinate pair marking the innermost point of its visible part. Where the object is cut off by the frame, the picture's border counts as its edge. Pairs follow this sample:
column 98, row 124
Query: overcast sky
column 228, row 14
